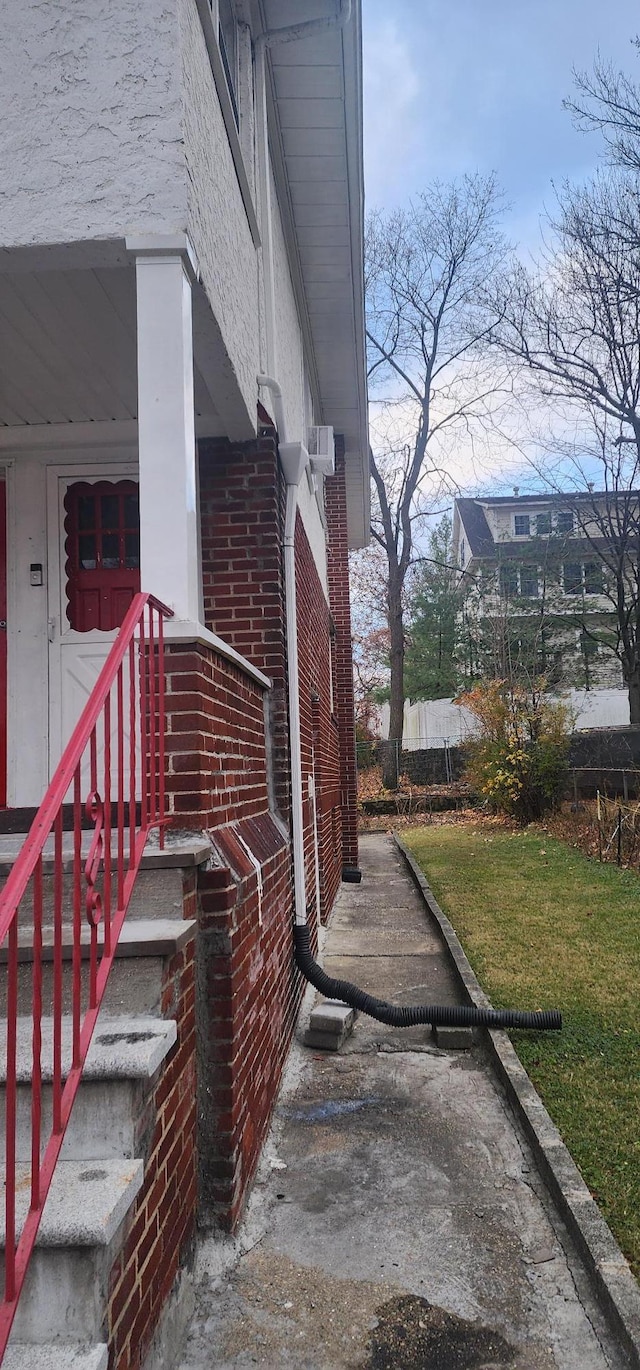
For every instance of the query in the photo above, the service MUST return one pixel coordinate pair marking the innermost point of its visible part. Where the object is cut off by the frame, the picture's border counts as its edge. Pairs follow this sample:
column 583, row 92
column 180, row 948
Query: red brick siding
column 319, row 738
column 338, row 573
column 248, row 989
column 216, row 762
column 242, row 503
column 250, row 993
column 162, row 1227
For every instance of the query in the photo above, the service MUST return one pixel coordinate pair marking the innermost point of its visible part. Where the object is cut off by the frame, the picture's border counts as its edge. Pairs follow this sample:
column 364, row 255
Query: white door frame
column 59, row 478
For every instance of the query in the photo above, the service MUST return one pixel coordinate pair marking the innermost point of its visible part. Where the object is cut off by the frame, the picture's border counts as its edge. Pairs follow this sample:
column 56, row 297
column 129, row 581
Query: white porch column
column 169, row 534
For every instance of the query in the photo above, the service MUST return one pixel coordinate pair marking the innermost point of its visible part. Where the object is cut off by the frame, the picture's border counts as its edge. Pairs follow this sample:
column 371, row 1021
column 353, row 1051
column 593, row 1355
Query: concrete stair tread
column 56, row 1356
column 86, row 1203
column 122, row 1048
column 179, row 850
column 139, row 937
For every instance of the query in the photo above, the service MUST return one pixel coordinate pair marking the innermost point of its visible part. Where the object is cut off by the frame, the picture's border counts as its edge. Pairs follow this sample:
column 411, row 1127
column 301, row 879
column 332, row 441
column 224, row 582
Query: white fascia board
column 352, row 59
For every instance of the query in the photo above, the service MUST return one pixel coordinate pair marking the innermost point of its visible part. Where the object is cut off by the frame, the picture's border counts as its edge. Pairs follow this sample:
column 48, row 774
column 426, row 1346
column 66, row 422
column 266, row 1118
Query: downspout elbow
column 269, row 383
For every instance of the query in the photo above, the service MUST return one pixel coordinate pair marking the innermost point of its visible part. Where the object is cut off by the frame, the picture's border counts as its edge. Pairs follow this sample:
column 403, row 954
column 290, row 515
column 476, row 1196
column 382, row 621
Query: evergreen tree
column 433, row 638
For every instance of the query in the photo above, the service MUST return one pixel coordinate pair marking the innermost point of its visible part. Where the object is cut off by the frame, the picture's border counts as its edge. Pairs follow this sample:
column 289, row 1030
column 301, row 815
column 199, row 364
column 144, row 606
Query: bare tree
column 609, row 101
column 574, row 327
column 428, row 323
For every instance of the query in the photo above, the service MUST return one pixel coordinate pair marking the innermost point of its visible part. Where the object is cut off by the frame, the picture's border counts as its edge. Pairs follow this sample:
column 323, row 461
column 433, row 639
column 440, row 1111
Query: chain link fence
column 436, row 762
column 618, row 830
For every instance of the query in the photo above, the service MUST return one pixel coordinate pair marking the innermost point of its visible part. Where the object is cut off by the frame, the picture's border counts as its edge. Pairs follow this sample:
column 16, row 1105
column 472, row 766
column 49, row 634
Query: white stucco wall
column 91, row 121
column 288, row 335
column 314, row 528
column 112, row 126
column 217, row 223
column 290, row 367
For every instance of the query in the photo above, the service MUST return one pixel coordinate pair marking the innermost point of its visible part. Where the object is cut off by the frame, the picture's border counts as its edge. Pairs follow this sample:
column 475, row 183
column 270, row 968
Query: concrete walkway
column 398, row 1220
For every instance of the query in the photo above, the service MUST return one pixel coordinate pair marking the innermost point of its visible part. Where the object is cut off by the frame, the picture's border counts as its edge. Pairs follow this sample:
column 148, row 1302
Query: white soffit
column 318, row 94
column 68, row 348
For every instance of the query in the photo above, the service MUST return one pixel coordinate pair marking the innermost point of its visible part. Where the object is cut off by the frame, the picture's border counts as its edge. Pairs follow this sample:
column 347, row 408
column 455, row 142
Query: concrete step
column 181, row 851
column 157, row 893
column 85, row 1204
column 57, row 1356
column 135, row 981
column 138, row 937
column 65, row 1291
column 124, row 1056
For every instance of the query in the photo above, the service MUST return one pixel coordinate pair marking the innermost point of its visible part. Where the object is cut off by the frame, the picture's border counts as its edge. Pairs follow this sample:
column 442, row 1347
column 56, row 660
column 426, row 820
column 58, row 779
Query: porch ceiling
column 68, row 348
column 317, row 89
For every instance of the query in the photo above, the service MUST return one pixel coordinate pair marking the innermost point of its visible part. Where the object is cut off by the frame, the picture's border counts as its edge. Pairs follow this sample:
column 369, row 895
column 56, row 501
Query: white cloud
column 391, row 91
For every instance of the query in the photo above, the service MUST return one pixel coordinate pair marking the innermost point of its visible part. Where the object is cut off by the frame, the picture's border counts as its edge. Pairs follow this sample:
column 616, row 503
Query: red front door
column 3, row 645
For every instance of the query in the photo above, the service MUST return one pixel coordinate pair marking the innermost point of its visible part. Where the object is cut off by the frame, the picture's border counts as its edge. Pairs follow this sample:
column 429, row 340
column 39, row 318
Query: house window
column 564, row 523
column 529, row 582
column 543, row 525
column 593, row 578
column 522, row 525
column 572, row 578
column 588, row 647
column 228, row 43
column 508, row 581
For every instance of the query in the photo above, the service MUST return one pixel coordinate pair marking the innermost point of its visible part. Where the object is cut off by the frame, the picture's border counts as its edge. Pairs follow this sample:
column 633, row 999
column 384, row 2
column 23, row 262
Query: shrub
column 518, row 763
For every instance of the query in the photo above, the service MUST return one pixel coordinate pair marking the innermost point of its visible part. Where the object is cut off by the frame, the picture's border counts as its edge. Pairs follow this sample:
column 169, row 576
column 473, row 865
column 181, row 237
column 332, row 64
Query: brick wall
column 242, row 504
column 249, row 994
column 162, row 1227
column 338, row 573
column 319, row 732
column 249, row 991
column 216, row 757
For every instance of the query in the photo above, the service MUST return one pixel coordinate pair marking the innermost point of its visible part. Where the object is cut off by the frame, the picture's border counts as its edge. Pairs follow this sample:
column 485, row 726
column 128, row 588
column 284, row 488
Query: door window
column 102, row 548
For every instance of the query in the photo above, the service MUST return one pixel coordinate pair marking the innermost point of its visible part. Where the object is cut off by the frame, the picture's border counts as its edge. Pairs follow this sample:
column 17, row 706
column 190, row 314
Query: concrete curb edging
column 610, row 1274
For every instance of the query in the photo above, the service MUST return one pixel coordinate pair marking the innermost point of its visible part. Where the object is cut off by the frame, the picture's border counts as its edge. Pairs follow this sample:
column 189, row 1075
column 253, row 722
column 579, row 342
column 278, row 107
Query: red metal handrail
column 123, row 809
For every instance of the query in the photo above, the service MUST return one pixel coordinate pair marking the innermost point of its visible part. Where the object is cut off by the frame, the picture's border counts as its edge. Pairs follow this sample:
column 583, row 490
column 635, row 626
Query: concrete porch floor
column 398, row 1219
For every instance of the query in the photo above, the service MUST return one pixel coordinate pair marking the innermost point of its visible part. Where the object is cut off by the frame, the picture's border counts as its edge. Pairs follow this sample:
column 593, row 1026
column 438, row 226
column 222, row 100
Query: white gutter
column 294, row 457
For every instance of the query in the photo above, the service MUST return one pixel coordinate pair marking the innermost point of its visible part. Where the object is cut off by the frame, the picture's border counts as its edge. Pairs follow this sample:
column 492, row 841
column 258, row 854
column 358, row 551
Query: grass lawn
column 545, row 927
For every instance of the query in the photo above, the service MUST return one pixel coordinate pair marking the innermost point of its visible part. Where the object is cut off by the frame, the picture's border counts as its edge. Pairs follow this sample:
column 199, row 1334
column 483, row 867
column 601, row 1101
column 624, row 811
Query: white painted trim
column 165, row 245
column 220, row 82
column 181, row 630
column 43, row 437
column 166, row 434
column 38, row 437
column 283, row 196
column 13, row 690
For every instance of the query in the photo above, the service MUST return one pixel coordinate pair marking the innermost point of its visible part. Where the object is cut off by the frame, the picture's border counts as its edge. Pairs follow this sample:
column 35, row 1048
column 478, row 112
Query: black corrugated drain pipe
column 455, row 1015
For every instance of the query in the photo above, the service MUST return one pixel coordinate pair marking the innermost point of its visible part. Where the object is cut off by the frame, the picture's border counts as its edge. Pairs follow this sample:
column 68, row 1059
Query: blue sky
column 464, row 85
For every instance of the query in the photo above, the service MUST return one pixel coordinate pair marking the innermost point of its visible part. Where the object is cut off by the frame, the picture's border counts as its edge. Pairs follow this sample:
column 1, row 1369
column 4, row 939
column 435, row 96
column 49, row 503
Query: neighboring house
column 535, row 589
column 181, row 325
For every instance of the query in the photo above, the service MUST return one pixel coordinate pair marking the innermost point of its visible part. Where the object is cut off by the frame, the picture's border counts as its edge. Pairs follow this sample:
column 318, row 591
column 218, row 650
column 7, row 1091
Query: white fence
column 441, row 723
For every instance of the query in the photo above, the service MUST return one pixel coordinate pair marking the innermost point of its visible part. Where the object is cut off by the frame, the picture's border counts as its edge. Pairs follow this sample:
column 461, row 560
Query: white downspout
column 293, row 455
column 294, row 458
column 297, row 827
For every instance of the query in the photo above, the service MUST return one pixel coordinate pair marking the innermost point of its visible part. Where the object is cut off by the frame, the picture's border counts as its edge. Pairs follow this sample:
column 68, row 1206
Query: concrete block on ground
column 453, row 1038
column 329, row 1025
column 58, row 1356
